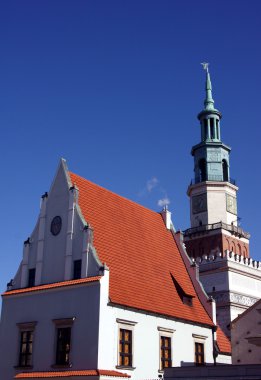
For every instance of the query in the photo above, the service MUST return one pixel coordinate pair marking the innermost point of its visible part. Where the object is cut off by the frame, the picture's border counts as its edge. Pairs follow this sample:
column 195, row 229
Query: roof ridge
column 117, row 195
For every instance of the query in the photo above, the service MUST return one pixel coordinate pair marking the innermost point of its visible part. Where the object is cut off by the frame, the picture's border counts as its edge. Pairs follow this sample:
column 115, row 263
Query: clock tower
column 212, row 192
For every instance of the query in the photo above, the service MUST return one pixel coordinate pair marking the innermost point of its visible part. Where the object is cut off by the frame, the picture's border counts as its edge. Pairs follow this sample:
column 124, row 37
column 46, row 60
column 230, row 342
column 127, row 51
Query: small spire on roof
column 209, row 101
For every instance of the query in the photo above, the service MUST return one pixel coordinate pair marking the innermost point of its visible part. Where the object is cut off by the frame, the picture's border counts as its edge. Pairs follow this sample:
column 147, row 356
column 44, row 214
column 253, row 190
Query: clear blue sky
column 115, row 88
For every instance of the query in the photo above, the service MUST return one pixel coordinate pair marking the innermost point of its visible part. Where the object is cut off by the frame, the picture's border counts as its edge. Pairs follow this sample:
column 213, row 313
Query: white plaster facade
column 94, row 320
column 216, row 211
column 233, row 281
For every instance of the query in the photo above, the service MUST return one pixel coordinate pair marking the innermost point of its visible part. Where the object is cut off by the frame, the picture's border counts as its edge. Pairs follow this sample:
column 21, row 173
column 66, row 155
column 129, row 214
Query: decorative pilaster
column 87, row 242
column 73, row 195
column 24, row 271
column 40, row 243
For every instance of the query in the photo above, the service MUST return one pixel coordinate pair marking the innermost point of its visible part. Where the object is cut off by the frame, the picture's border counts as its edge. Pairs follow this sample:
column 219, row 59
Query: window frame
column 165, row 333
column 65, row 323
column 125, row 326
column 26, row 327
column 199, row 340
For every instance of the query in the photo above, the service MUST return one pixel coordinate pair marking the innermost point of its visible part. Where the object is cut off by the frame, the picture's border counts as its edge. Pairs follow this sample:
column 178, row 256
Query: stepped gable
column 143, row 258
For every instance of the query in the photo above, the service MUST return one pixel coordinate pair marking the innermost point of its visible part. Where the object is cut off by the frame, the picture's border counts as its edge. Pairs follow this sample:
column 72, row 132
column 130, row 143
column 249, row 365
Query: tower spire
column 209, row 101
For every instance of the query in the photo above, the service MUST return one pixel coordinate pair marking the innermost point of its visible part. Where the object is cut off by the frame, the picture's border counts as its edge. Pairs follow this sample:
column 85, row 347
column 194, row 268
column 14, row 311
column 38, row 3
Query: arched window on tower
column 225, row 170
column 202, row 170
column 205, row 129
column 212, row 128
column 228, row 245
column 217, row 129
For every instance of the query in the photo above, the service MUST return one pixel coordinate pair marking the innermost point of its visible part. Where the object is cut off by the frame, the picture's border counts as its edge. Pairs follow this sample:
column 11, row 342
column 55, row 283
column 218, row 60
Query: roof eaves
column 70, row 373
column 154, row 313
column 52, row 286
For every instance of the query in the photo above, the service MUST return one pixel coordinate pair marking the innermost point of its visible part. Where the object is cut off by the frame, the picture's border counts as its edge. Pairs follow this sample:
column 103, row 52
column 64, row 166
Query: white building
column 104, row 289
column 233, row 281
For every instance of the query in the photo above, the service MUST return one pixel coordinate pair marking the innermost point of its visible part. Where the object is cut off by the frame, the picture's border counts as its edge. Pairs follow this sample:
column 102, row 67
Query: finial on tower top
column 205, row 66
column 209, row 102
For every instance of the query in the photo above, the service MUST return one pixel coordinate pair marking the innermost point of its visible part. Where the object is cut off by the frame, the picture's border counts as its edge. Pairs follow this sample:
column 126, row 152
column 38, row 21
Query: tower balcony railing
column 215, row 178
column 214, row 226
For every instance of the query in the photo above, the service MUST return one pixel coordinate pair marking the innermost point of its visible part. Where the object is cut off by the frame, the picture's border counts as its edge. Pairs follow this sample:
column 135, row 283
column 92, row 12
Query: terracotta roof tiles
column 52, row 286
column 53, row 374
column 223, row 342
column 140, row 252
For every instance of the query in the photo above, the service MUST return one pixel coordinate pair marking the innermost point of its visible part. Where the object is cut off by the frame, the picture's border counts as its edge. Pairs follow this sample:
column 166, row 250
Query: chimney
column 166, row 215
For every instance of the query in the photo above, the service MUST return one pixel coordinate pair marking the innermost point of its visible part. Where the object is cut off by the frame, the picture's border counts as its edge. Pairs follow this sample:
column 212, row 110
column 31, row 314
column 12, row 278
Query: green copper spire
column 209, row 101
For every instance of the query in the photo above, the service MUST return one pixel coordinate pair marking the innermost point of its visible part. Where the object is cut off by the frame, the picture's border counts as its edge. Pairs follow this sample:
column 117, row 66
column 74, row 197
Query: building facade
column 104, row 289
column 246, row 336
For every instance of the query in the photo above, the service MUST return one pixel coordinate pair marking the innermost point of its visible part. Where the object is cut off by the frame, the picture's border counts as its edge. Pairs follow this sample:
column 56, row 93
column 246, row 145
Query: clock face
column 231, row 204
column 199, row 203
column 56, row 225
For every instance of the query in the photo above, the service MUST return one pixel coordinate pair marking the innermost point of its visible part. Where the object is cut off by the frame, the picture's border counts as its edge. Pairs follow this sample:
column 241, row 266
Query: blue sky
column 115, row 88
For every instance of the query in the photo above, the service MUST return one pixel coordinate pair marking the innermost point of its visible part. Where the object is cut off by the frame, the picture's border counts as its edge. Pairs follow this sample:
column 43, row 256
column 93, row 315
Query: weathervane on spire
column 205, row 66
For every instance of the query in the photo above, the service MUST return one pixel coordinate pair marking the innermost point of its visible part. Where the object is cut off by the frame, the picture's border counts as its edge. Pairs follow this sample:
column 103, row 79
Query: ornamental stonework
column 234, row 298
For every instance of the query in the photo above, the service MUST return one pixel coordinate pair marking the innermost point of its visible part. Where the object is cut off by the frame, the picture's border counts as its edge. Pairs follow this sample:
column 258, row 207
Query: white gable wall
column 53, row 256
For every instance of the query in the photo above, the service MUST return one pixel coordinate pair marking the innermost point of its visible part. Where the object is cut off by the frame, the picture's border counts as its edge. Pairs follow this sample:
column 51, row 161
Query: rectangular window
column 199, row 353
column 125, row 348
column 31, row 277
column 77, row 269
column 63, row 345
column 26, row 336
column 26, row 348
column 165, row 352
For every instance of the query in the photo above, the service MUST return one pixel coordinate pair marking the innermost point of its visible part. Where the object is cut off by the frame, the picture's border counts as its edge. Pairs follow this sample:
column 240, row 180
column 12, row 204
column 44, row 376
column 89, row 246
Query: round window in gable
column 56, row 225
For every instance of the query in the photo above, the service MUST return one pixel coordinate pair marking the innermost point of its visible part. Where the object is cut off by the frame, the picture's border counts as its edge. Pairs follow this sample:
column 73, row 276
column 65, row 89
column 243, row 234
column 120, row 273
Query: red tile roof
column 52, row 286
column 90, row 372
column 140, row 252
column 223, row 342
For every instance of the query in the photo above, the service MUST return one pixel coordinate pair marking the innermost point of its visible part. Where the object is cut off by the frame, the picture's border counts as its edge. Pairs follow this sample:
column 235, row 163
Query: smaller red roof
column 53, row 374
column 223, row 342
column 51, row 286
